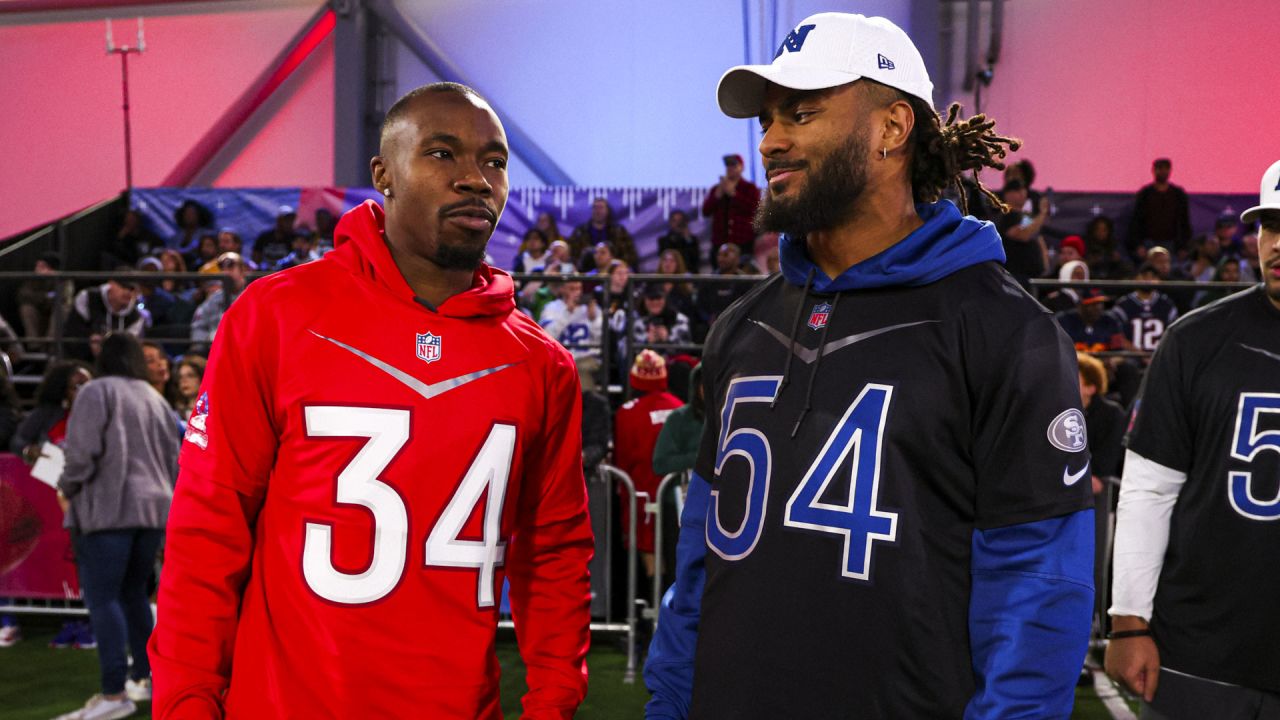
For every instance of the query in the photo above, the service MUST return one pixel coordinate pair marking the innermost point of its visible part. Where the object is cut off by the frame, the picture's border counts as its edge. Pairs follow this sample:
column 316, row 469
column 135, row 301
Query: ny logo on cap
column 794, row 40
column 883, row 62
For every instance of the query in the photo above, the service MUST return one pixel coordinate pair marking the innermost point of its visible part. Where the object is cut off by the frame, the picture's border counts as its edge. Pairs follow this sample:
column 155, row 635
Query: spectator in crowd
column 1204, row 260
column 1103, row 252
column 599, row 260
column 731, row 206
column 109, row 307
column 1071, row 249
column 152, row 297
column 158, row 367
column 302, row 251
column 1161, row 215
column 273, row 245
column 205, row 321
column 38, row 298
column 549, row 227
column 635, row 434
column 1025, row 254
column 657, row 322
column 679, row 239
column 1249, row 258
column 1023, row 172
column 1104, row 422
column 47, row 422
column 574, row 320
column 533, row 255
column 677, row 446
column 325, row 224
column 1064, row 299
column 206, row 251
column 602, row 228
column 171, row 261
column 187, row 389
column 121, row 463
column 1090, row 327
column 1162, row 260
column 561, row 258
column 772, row 262
column 714, row 298
column 1224, row 235
column 1145, row 313
column 191, row 218
column 1227, row 271
column 132, row 242
column 680, row 295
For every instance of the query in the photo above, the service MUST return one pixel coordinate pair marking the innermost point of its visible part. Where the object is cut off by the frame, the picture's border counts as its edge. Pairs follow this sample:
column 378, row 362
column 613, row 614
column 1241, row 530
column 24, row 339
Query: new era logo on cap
column 794, row 40
column 838, row 48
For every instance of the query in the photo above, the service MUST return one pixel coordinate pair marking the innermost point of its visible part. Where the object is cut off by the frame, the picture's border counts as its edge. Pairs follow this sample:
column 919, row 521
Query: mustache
column 771, row 165
column 470, row 207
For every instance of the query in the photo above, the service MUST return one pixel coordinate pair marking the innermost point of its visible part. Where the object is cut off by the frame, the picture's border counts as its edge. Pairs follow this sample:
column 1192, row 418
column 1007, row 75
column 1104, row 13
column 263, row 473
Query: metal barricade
column 677, row 479
column 629, row 676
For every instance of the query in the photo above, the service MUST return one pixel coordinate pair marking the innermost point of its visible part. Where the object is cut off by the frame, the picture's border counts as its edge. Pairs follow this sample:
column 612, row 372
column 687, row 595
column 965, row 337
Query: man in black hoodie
column 896, row 529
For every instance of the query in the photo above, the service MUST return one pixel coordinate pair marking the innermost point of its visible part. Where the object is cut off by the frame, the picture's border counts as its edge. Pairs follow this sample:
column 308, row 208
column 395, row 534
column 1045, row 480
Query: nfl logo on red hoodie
column 428, row 347
column 818, row 318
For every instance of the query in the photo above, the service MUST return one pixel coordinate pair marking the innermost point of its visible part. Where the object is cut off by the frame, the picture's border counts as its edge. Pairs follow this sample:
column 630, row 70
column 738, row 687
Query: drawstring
column 817, row 365
column 795, row 329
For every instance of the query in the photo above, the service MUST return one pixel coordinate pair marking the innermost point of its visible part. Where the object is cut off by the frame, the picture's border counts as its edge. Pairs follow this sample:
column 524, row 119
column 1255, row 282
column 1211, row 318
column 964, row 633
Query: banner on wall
column 36, row 559
column 644, row 212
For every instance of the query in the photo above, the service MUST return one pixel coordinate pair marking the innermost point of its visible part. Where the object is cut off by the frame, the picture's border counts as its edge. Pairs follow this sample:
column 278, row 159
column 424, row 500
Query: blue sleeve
column 668, row 672
column 1030, row 611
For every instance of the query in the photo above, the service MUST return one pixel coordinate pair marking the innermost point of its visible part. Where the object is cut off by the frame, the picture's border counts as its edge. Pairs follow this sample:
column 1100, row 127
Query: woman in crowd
column 190, row 374
column 47, row 422
column 191, row 218
column 171, row 261
column 680, row 295
column 532, row 255
column 1104, row 255
column 121, row 463
column 550, row 230
column 1227, row 271
column 598, row 261
column 158, row 367
column 1064, row 299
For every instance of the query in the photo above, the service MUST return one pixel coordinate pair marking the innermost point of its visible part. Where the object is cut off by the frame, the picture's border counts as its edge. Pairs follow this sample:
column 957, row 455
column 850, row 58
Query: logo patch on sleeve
column 1067, row 432
column 197, row 434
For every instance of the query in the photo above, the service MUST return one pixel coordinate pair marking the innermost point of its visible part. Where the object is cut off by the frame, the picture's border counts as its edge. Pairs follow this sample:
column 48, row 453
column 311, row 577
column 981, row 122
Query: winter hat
column 649, row 372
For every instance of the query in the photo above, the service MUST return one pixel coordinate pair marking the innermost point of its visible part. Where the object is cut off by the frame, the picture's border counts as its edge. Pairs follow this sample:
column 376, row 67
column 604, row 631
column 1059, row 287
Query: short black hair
column 1162, row 161
column 52, row 259
column 401, row 106
column 1013, row 186
column 121, row 355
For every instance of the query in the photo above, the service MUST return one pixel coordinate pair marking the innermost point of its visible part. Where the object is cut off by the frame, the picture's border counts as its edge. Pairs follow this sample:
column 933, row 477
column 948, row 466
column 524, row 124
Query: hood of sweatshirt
column 945, row 243
column 360, row 246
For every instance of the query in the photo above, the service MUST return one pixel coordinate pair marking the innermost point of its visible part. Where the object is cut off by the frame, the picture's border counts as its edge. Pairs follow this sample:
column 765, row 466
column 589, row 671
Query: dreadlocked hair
column 944, row 151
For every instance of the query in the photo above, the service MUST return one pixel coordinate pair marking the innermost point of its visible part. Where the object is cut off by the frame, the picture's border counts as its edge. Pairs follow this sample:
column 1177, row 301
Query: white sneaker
column 100, row 708
column 138, row 690
column 10, row 635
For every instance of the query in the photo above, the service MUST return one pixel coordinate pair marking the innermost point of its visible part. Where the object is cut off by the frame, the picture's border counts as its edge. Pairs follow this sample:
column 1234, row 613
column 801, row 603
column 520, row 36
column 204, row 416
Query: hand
column 1097, row 485
column 1044, row 207
column 31, row 453
column 63, row 502
column 1133, row 661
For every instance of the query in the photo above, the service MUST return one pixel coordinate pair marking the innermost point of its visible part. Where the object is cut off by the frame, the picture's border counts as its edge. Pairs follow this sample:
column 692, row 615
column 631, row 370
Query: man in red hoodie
column 381, row 438
column 636, row 428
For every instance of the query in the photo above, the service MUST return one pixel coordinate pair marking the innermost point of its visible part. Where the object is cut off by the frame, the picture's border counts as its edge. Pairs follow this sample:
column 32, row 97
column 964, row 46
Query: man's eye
column 498, row 163
column 802, row 115
column 442, row 154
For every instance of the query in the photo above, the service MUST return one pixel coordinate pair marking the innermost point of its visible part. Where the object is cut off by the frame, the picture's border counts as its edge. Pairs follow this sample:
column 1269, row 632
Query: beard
column 459, row 257
column 827, row 198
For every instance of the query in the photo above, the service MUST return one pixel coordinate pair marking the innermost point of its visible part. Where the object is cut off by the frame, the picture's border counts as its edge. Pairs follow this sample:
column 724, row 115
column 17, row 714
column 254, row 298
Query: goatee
column 827, row 198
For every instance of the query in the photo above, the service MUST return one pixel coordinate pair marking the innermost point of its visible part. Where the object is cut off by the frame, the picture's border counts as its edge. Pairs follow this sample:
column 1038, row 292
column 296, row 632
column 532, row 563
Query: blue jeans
column 115, row 566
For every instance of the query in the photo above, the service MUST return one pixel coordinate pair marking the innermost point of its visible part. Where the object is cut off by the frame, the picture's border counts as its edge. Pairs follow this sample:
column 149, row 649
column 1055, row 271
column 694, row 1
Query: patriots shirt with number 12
column 367, row 472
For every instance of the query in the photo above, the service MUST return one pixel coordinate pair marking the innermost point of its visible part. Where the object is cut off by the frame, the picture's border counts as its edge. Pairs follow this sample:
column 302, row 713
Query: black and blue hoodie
column 891, row 514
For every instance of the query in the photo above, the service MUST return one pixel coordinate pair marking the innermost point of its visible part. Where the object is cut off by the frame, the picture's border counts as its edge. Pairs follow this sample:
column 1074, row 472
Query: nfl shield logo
column 428, row 347
column 818, row 318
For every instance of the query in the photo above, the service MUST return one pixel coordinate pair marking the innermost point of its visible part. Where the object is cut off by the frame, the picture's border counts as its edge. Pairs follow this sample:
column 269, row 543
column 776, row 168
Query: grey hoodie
column 121, row 456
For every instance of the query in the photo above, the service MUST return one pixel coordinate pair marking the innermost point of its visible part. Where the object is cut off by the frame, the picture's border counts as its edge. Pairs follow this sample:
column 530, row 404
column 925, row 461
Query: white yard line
column 1111, row 698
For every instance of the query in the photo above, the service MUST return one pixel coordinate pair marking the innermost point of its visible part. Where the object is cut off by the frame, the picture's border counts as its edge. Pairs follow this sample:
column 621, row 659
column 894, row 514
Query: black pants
column 1180, row 697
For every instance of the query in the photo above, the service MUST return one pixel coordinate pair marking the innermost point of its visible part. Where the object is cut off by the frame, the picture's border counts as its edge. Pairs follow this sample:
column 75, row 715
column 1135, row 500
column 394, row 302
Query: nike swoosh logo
column 1260, row 351
column 809, row 355
column 1069, row 479
column 426, row 390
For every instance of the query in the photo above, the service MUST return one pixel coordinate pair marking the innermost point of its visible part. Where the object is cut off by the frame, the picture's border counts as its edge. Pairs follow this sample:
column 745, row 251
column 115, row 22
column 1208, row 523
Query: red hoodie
column 360, row 473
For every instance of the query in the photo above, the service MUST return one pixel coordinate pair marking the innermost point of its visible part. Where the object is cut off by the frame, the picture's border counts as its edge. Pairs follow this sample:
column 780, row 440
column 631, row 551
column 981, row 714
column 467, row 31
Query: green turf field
column 38, row 683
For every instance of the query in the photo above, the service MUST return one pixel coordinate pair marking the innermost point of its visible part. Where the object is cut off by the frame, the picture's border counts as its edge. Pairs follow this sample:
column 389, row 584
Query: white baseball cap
column 1268, row 196
column 824, row 51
